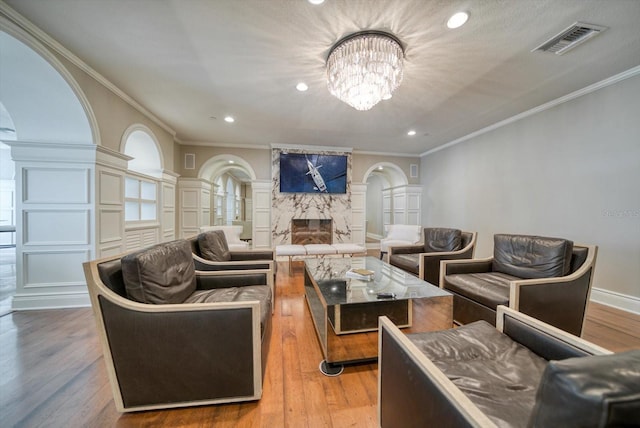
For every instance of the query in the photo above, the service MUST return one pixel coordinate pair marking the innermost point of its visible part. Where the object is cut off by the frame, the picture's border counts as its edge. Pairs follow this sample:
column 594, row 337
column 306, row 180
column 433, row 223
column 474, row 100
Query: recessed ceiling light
column 316, row 1
column 457, row 20
column 302, row 86
column 380, row 168
column 411, row 133
column 231, row 161
column 229, row 119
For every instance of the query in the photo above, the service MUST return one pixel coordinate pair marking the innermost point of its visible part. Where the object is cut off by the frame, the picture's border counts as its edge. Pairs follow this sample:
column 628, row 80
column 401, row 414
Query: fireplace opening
column 311, row 231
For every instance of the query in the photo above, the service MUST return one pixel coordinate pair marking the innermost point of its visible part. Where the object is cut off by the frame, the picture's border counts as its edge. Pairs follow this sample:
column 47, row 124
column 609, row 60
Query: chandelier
column 365, row 68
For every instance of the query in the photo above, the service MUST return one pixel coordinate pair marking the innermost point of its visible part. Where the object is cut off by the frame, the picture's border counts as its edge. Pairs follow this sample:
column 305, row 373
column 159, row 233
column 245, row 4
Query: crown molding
column 49, row 41
column 225, row 145
column 546, row 106
column 399, row 155
column 317, row 148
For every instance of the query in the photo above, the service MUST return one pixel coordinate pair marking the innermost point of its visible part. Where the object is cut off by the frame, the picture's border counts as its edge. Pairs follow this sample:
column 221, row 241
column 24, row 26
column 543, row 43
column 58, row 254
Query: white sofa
column 232, row 234
column 398, row 235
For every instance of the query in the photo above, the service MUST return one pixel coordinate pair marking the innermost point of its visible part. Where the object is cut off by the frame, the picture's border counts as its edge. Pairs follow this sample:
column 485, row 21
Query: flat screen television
column 313, row 173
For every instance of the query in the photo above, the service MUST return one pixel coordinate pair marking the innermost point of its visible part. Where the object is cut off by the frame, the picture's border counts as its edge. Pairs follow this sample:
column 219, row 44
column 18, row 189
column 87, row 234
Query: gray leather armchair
column 175, row 337
column 547, row 278
column 523, row 373
column 423, row 260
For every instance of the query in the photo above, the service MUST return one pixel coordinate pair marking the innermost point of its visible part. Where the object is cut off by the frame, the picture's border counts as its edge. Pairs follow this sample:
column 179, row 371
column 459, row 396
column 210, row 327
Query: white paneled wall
column 402, row 205
column 168, row 204
column 193, row 194
column 261, row 213
column 358, row 213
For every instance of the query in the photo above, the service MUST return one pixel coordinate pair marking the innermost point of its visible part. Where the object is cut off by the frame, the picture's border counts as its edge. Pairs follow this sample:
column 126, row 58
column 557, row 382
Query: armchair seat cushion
column 499, row 375
column 261, row 293
column 407, row 262
column 489, row 288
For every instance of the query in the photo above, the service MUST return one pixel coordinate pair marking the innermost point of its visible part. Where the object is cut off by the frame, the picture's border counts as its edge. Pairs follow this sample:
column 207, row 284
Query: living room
column 525, row 142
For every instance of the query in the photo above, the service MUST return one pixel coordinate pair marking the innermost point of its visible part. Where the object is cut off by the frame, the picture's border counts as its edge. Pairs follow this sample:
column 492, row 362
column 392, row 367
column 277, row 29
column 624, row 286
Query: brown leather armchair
column 423, row 260
column 546, row 278
column 175, row 337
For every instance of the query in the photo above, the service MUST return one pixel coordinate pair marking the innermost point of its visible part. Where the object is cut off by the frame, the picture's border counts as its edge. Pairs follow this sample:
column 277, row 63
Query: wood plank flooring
column 52, row 373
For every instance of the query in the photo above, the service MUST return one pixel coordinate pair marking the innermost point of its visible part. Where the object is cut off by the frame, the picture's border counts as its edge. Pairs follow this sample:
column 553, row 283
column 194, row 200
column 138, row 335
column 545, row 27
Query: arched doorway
column 232, row 202
column 390, row 200
column 54, row 196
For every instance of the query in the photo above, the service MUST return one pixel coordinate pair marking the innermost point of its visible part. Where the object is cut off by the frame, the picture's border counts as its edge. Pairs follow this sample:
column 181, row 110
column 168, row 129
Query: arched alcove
column 141, row 144
column 217, row 165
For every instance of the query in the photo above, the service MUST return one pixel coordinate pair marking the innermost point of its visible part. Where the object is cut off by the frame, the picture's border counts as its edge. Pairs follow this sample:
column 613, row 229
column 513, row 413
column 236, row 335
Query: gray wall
column 570, row 171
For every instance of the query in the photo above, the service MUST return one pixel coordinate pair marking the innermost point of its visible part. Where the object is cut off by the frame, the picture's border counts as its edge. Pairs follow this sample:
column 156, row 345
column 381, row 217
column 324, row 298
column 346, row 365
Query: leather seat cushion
column 261, row 293
column 497, row 374
column 213, row 246
column 601, row 390
column 440, row 239
column 163, row 273
column 488, row 288
column 407, row 262
column 527, row 257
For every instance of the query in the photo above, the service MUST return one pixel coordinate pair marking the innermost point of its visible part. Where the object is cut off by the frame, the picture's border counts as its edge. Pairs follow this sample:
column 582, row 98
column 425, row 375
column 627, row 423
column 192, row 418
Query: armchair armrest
column 208, row 265
column 548, row 341
column 207, row 280
column 560, row 301
column 430, row 262
column 451, row 267
column 252, row 255
column 406, row 249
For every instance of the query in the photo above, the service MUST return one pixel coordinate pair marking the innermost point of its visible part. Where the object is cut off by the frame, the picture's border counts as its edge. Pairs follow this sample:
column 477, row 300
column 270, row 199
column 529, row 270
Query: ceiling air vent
column 569, row 38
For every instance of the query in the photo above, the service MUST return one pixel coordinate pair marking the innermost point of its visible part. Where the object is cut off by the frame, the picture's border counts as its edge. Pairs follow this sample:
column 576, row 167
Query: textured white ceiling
column 187, row 61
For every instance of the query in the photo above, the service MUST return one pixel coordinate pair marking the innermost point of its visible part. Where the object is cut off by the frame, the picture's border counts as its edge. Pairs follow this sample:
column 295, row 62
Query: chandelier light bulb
column 365, row 68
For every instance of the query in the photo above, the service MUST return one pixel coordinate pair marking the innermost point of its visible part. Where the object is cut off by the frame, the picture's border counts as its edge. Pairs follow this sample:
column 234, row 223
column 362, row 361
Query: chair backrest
column 213, row 246
column 465, row 239
column 441, row 239
column 530, row 256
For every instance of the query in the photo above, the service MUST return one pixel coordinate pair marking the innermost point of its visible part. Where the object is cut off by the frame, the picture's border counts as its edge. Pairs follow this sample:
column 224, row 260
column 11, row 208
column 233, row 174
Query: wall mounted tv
column 313, row 173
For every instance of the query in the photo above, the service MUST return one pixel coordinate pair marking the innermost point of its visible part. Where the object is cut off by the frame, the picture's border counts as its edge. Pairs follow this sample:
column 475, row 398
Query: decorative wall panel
column 53, row 268
column 55, row 185
column 56, row 227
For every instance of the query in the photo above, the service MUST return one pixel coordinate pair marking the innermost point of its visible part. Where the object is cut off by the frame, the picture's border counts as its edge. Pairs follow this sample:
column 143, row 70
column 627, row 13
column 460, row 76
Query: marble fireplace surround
column 311, row 231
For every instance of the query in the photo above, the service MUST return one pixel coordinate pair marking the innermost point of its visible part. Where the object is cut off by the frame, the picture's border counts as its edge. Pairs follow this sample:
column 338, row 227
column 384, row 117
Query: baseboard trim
column 616, row 300
column 29, row 302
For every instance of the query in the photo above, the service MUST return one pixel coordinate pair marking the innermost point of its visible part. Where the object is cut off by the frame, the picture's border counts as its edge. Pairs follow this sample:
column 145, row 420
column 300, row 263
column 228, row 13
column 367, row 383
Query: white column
column 55, row 223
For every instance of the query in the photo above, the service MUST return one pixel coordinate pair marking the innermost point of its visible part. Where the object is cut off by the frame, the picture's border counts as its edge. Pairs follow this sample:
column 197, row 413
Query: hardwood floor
column 52, row 372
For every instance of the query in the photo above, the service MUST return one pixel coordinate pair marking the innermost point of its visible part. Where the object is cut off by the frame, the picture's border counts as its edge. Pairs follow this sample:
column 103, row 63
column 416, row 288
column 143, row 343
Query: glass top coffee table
column 345, row 309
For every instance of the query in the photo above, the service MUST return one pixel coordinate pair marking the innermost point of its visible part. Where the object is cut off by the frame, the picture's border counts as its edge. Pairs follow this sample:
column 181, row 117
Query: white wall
column 570, row 171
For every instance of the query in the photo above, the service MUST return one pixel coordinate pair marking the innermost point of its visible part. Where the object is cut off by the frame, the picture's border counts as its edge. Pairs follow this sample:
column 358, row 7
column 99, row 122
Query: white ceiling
column 189, row 60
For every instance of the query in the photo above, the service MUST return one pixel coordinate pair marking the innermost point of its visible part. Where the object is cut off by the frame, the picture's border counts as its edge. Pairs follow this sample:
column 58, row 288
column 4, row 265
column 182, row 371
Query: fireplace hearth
column 311, row 231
